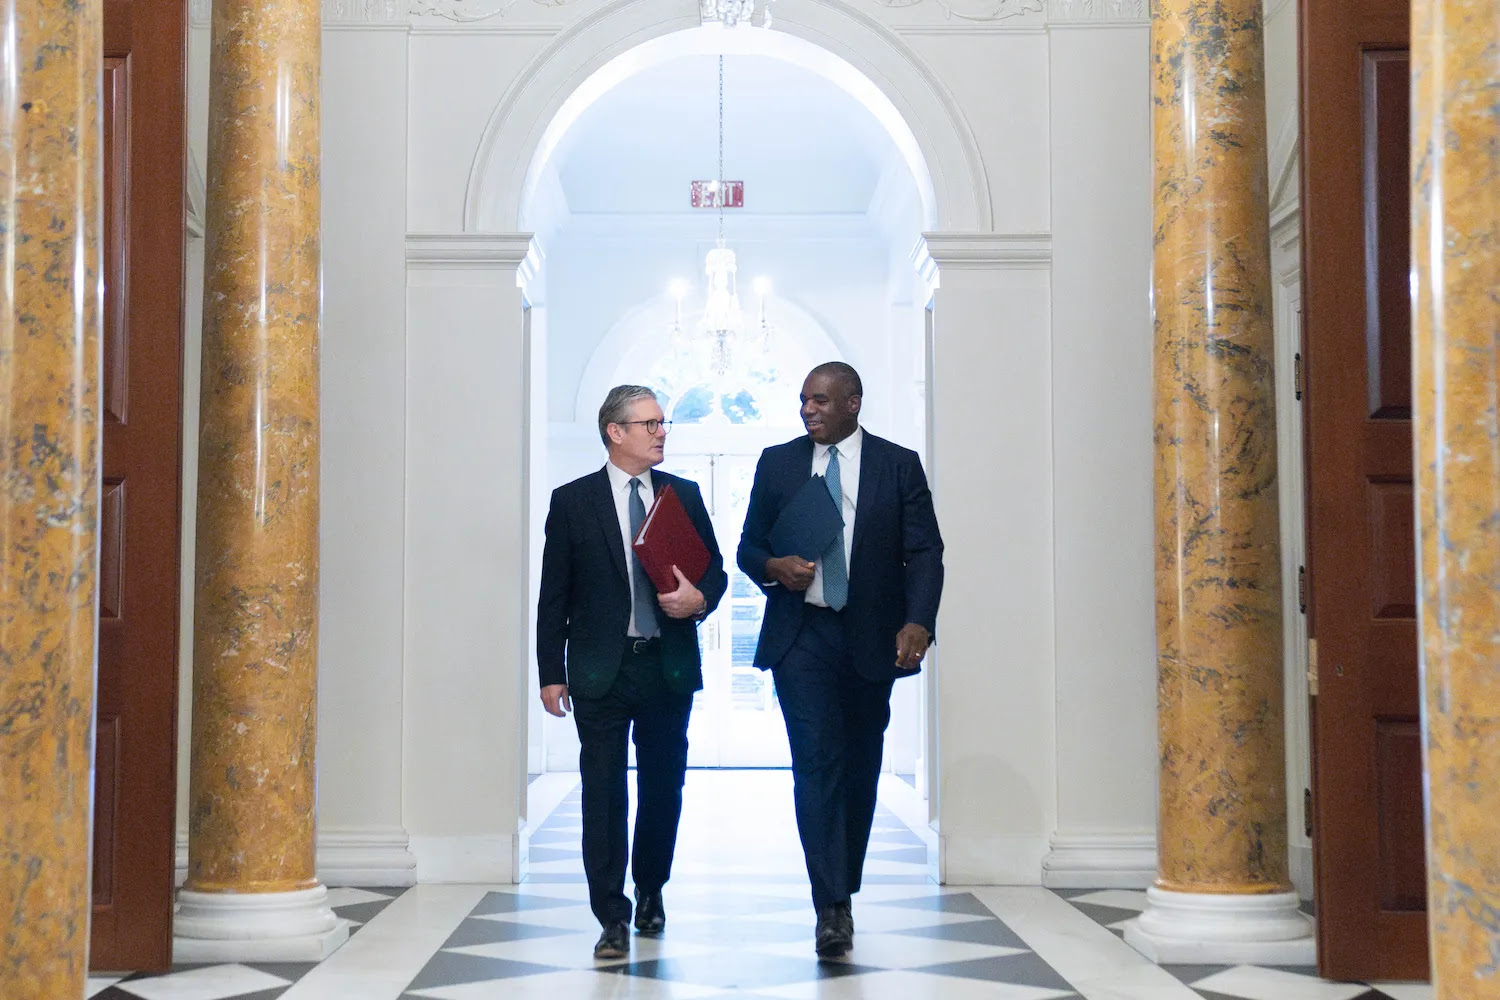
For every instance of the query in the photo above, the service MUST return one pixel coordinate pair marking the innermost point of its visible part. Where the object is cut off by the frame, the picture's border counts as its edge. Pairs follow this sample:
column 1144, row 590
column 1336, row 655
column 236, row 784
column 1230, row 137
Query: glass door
column 736, row 719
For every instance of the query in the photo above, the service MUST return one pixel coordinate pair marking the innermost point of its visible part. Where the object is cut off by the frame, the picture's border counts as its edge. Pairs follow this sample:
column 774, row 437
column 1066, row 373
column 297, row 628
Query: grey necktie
column 835, row 569
column 640, row 583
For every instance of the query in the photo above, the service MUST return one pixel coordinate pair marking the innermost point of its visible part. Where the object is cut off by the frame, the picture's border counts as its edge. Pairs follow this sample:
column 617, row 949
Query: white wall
column 1286, row 271
column 1103, row 456
column 1040, row 381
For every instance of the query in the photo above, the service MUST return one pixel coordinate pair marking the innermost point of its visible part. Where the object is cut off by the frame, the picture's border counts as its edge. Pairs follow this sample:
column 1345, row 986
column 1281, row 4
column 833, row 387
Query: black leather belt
column 639, row 646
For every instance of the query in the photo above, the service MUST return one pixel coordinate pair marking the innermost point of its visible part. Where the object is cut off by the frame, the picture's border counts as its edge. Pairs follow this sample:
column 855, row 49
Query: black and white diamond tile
column 740, row 925
column 250, row 981
column 1111, row 908
column 737, row 941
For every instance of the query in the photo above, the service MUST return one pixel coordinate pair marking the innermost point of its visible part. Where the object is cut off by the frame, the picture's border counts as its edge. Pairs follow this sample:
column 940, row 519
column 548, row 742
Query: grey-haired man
column 624, row 658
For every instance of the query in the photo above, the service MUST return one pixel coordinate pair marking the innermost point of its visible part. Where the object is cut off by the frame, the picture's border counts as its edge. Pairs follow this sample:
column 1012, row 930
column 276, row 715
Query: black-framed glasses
column 651, row 425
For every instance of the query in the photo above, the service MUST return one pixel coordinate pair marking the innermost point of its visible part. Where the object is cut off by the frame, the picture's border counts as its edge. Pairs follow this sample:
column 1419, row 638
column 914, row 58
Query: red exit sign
column 718, row 194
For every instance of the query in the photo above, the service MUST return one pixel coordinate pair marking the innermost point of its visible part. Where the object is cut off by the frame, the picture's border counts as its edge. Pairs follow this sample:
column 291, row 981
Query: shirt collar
column 848, row 448
column 619, row 479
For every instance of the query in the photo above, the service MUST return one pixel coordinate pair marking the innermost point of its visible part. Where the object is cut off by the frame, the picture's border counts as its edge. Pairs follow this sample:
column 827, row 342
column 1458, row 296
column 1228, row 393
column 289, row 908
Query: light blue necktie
column 640, row 583
column 835, row 569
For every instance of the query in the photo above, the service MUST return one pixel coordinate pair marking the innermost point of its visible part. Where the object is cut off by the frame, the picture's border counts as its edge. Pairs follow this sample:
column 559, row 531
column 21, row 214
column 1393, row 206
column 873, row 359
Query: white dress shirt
column 619, row 488
column 849, row 450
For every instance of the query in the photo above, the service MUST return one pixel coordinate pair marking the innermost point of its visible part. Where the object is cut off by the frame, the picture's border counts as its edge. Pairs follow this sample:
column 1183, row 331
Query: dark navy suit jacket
column 583, row 610
column 895, row 565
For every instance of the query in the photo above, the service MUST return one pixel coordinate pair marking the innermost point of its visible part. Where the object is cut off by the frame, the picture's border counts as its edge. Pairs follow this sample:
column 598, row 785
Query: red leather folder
column 667, row 538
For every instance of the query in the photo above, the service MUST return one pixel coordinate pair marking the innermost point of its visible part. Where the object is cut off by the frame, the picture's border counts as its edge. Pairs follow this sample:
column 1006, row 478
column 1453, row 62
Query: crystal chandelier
column 721, row 326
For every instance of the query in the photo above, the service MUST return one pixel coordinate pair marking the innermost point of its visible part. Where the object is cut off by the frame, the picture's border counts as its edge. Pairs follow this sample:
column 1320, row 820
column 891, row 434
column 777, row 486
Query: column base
column 217, row 927
column 1222, row 929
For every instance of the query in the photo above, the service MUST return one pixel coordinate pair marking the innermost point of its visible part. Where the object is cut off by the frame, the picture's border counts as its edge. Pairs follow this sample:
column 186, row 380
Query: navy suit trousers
column 638, row 704
column 835, row 723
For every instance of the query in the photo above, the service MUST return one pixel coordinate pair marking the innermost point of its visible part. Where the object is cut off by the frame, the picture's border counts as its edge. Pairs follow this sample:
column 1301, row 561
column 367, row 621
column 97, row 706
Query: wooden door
column 1367, row 768
column 140, row 512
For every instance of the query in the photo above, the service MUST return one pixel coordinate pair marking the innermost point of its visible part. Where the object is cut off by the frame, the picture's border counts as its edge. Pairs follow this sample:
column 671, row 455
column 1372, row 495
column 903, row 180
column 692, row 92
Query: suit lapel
column 603, row 499
column 869, row 460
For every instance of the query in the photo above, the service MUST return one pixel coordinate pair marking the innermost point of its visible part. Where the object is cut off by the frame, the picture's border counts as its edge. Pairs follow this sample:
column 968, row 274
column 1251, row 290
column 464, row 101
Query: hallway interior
column 739, row 924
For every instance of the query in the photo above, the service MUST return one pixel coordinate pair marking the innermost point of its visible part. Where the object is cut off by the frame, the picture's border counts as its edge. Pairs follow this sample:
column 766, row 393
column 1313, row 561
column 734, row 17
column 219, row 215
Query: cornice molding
column 468, row 249
column 982, row 251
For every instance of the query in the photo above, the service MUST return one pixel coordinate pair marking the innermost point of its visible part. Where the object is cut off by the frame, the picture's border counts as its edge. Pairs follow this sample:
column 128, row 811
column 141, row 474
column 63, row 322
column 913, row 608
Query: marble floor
column 739, row 924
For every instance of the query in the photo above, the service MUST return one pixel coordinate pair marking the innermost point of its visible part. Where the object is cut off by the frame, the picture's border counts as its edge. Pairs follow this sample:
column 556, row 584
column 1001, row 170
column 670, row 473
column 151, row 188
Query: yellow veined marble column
column 253, row 785
column 49, row 486
column 1222, row 891
column 1455, row 245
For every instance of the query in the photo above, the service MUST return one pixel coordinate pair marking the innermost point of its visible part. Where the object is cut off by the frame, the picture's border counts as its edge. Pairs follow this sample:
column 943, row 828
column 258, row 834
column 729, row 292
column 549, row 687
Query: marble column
column 251, row 891
column 1455, row 244
column 50, row 377
column 1222, row 892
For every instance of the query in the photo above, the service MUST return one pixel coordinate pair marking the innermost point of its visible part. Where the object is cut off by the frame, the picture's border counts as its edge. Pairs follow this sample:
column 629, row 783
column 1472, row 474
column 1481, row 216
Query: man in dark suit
column 839, row 630
column 623, row 657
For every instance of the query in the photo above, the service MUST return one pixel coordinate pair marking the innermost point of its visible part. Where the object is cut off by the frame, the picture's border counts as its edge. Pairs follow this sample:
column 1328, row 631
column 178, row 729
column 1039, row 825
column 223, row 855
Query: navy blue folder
column 809, row 522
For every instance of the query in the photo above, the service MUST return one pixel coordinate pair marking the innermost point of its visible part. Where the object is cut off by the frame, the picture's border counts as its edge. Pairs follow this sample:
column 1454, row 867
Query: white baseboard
column 1125, row 860
column 351, row 855
column 968, row 860
column 484, row 858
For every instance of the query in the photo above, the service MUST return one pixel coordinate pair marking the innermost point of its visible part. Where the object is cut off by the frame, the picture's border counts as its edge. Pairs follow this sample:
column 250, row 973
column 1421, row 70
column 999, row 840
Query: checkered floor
column 739, row 923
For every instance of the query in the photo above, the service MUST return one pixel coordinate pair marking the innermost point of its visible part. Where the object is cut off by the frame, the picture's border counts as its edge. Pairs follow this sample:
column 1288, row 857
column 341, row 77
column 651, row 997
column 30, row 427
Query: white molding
column 1223, row 929
column 678, row 226
column 195, row 197
column 501, row 249
column 471, row 30
column 1300, row 857
column 515, row 142
column 473, row 858
column 982, row 251
column 348, row 856
column 978, row 860
column 1096, row 13
column 1125, row 860
column 200, row 13
column 365, row 14
column 980, row 13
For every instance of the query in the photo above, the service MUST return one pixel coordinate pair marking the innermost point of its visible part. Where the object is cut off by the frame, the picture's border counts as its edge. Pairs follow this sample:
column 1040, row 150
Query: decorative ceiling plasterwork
column 364, row 11
column 984, row 14
column 1107, row 11
column 972, row 10
column 465, row 11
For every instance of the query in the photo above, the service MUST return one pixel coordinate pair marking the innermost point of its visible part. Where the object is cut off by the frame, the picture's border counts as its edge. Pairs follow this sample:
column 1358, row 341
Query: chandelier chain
column 722, row 193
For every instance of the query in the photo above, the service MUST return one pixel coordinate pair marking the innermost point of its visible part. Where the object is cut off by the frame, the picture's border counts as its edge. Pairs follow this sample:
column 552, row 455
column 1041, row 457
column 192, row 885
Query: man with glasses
column 624, row 658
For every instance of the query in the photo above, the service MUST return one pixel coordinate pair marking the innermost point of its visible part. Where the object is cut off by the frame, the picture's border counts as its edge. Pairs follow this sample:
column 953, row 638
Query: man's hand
column 792, row 572
column 684, row 602
column 555, row 700
column 911, row 646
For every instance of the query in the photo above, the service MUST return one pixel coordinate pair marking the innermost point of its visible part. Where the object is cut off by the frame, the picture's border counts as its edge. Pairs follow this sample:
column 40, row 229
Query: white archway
column 850, row 49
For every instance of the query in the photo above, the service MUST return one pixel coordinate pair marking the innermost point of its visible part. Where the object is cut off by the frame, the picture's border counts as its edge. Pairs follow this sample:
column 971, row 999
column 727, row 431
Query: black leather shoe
column 650, row 917
column 614, row 942
column 834, row 938
column 846, row 912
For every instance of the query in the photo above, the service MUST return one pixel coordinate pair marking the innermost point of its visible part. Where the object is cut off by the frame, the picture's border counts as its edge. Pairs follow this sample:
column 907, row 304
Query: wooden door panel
column 1368, row 840
column 143, row 115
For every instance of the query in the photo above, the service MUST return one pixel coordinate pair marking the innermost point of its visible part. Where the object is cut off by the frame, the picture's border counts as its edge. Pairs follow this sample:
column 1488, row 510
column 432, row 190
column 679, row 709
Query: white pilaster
column 990, row 462
column 464, row 766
